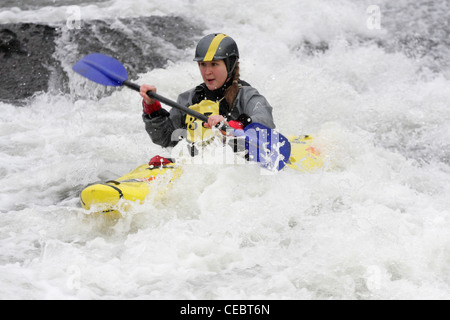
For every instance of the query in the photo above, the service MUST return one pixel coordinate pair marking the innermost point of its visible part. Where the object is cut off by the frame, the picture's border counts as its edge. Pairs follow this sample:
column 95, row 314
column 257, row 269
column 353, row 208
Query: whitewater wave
column 368, row 80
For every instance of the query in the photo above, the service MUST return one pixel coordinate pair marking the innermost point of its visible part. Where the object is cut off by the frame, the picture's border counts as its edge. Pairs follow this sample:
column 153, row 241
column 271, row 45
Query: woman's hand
column 143, row 92
column 215, row 120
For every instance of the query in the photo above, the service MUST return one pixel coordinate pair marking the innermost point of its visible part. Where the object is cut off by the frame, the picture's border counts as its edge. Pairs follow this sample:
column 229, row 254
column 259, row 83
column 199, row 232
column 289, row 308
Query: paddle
column 264, row 145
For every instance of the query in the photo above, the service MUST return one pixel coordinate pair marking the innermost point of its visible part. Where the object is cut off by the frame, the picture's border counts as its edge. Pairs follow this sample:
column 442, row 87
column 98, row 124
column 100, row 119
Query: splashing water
column 369, row 81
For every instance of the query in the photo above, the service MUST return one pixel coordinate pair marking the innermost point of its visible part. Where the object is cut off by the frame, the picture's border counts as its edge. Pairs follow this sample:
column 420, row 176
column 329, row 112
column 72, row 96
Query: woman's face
column 214, row 73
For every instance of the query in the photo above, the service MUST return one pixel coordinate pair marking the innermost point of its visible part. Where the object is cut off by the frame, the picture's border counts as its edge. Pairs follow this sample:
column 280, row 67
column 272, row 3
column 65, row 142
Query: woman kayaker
column 237, row 103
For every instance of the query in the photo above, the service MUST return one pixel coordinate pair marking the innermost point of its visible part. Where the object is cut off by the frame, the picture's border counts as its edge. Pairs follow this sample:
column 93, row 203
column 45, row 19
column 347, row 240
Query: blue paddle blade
column 266, row 146
column 101, row 69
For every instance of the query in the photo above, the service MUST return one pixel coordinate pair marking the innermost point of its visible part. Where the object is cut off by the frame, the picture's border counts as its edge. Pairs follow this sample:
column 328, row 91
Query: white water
column 373, row 224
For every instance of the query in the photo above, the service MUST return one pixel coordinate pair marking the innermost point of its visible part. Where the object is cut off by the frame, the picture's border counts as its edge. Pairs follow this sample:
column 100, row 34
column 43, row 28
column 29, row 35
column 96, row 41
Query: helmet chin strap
column 231, row 69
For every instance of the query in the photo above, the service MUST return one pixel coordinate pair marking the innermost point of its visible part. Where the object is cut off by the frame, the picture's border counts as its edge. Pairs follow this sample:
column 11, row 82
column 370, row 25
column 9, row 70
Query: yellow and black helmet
column 218, row 46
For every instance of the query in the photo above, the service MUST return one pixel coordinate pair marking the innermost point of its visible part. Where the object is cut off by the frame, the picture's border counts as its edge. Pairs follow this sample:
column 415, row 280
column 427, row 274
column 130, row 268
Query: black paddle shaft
column 169, row 102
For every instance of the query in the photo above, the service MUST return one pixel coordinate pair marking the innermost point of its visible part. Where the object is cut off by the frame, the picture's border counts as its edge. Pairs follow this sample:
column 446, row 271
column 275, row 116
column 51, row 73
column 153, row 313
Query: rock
column 38, row 57
column 26, row 52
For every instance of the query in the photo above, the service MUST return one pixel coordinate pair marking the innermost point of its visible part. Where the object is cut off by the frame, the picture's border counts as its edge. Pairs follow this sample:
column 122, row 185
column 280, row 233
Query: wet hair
column 232, row 91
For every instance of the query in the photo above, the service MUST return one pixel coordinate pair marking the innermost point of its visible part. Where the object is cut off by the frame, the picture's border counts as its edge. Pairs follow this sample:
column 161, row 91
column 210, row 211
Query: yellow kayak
column 115, row 196
column 304, row 156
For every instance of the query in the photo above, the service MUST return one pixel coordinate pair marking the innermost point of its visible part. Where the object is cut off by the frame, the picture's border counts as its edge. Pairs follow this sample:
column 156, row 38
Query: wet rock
column 38, row 57
column 26, row 52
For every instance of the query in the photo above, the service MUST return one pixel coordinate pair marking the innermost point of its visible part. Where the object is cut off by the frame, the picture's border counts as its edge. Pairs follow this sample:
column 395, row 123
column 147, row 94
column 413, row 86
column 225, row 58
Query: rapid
column 369, row 80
